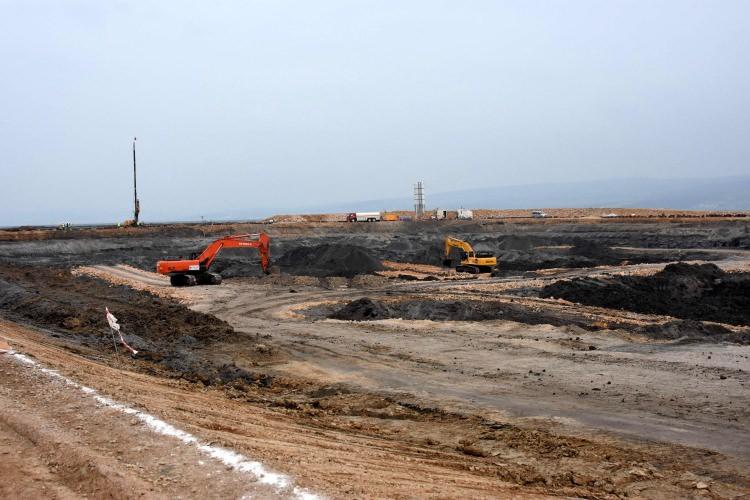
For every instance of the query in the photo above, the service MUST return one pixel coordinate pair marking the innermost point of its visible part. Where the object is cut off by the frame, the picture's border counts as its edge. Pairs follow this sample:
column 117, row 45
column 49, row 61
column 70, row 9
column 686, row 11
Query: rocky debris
column 328, row 260
column 687, row 291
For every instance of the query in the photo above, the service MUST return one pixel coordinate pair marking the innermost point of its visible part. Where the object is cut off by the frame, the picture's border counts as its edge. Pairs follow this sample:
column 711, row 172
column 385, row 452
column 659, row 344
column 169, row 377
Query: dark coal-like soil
column 688, row 291
column 329, row 260
column 72, row 307
column 584, row 253
column 518, row 247
column 367, row 309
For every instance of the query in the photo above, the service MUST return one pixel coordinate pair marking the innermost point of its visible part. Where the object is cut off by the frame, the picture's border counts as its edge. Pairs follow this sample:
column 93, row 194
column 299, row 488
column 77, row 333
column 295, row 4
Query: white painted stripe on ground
column 238, row 462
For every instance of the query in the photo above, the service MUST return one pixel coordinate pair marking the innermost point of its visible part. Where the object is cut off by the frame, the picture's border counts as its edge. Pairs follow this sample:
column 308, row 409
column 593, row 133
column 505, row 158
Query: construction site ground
column 544, row 397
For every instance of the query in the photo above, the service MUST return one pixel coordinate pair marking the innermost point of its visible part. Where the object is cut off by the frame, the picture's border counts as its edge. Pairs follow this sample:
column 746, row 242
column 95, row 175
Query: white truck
column 363, row 217
column 465, row 214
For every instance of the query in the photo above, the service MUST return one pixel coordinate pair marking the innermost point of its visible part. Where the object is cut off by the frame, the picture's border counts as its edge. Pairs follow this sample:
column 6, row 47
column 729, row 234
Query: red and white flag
column 116, row 327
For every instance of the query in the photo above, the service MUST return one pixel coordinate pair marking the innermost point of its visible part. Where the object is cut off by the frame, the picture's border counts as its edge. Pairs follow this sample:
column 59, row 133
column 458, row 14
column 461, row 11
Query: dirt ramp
column 329, row 260
column 687, row 291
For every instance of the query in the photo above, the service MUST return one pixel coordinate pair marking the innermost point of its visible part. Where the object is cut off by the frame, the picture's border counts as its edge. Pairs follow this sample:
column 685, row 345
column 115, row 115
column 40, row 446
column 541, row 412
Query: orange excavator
column 194, row 271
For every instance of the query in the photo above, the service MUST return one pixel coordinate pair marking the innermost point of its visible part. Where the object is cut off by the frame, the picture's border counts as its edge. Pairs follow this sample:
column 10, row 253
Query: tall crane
column 195, row 270
column 470, row 261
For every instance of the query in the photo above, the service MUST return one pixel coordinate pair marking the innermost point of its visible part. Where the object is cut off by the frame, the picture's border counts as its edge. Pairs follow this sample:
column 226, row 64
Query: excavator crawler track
column 183, row 280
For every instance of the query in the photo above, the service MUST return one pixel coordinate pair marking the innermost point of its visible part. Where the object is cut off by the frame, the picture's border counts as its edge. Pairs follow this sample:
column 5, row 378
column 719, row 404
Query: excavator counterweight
column 196, row 271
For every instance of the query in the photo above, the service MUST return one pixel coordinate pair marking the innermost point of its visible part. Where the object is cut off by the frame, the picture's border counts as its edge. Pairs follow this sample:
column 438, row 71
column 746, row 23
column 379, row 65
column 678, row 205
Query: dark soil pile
column 688, row 291
column 72, row 308
column 329, row 260
column 585, row 253
column 367, row 309
column 55, row 298
column 364, row 309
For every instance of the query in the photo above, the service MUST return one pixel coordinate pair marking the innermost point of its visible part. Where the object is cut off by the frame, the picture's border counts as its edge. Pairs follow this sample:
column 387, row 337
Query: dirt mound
column 688, row 291
column 55, row 298
column 367, row 309
column 691, row 330
column 329, row 260
column 163, row 331
column 363, row 309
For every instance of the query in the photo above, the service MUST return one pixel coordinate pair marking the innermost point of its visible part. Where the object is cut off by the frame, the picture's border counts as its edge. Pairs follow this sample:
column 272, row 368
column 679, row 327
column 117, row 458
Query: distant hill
column 723, row 193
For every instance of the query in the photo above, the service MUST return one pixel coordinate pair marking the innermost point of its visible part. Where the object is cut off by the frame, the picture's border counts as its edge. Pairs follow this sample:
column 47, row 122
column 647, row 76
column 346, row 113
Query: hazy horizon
column 688, row 194
column 245, row 107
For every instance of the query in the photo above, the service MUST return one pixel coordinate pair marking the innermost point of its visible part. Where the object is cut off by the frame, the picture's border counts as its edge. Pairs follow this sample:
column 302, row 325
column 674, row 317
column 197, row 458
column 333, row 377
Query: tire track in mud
column 376, row 370
column 257, row 309
column 87, row 444
column 367, row 364
column 339, row 460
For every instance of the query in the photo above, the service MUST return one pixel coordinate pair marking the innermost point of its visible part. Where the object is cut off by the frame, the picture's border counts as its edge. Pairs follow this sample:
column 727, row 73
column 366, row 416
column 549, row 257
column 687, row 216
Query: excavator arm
column 471, row 261
column 451, row 242
column 259, row 241
column 195, row 270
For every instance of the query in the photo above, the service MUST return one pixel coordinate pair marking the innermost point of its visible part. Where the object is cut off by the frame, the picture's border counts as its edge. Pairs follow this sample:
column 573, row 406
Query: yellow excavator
column 471, row 261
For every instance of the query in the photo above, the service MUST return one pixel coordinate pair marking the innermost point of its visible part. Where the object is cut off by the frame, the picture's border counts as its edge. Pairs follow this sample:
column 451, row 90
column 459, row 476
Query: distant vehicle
column 610, row 216
column 443, row 214
column 538, row 214
column 390, row 217
column 363, row 217
column 465, row 214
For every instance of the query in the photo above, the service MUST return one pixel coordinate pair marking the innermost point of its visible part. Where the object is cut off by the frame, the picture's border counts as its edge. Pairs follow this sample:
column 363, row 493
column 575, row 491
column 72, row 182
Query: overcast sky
column 253, row 107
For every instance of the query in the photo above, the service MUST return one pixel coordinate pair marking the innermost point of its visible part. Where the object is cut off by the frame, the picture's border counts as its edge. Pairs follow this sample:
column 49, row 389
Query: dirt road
column 607, row 385
column 72, row 446
column 685, row 393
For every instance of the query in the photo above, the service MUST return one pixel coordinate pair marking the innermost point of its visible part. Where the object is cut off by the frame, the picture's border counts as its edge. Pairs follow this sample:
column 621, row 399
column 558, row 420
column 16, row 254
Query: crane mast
column 136, row 203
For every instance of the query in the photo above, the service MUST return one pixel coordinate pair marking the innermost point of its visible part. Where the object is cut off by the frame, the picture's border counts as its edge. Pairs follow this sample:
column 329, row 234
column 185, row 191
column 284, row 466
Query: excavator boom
column 471, row 261
column 193, row 271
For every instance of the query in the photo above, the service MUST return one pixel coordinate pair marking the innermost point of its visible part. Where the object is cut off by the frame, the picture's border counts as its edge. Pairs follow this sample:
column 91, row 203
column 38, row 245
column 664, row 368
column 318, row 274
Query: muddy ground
column 450, row 387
